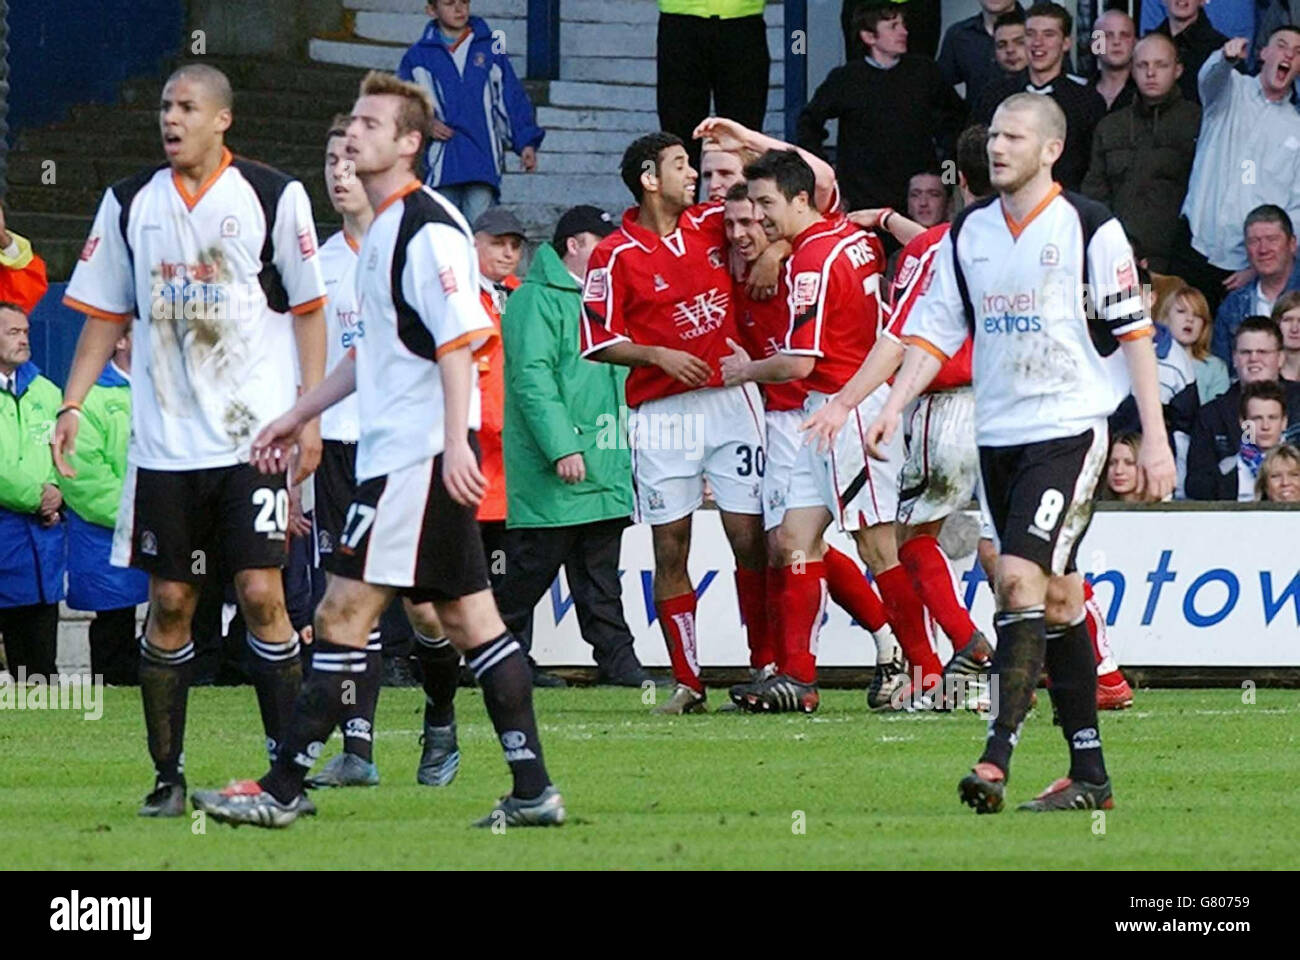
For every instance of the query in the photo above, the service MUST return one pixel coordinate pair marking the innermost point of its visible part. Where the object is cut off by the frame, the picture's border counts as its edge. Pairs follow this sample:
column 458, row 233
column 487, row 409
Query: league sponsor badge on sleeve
column 805, row 288
column 306, row 243
column 596, row 285
column 447, row 277
column 88, row 250
column 1125, row 274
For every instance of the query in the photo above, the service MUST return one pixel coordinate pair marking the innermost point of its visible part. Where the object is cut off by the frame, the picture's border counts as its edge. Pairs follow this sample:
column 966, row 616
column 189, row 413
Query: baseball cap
column 498, row 222
column 583, row 218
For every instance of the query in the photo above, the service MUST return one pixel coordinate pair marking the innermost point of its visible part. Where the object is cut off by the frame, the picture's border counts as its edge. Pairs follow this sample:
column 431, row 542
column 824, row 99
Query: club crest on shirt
column 447, row 277
column 306, row 243
column 715, row 256
column 1126, row 274
column 907, row 270
column 660, row 283
column 230, row 228
column 804, row 289
column 594, row 287
column 88, row 250
column 1051, row 255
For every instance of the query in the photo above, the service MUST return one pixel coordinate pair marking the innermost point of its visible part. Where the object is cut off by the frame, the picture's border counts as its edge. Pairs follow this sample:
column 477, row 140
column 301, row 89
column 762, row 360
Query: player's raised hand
column 727, row 134
column 868, row 219
column 273, row 446
column 64, row 442
column 735, row 364
column 1156, row 474
column 461, row 475
column 880, row 432
column 824, row 425
column 684, row 367
column 1236, row 48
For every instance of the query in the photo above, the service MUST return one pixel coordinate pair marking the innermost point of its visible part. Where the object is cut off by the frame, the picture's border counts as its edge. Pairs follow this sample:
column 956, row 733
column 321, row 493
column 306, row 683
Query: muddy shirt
column 212, row 279
column 1047, row 300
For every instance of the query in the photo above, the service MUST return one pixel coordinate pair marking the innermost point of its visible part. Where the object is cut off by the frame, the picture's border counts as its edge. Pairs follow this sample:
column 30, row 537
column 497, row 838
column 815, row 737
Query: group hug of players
column 768, row 282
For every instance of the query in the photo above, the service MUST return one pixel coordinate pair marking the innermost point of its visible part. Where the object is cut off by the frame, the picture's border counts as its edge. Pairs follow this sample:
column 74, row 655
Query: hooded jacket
column 32, row 557
column 486, row 106
column 557, row 403
column 1141, row 163
column 92, row 498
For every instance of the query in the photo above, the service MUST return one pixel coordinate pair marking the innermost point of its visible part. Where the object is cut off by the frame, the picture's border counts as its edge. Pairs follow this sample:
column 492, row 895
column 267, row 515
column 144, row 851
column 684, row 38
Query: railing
column 796, row 63
column 4, row 97
column 543, row 39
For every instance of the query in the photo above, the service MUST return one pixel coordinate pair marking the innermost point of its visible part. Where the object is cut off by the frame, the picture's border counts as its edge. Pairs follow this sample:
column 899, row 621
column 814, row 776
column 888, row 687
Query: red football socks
column 907, row 616
column 925, row 563
column 1096, row 623
column 849, row 588
column 803, row 600
column 677, row 617
column 751, row 590
column 775, row 615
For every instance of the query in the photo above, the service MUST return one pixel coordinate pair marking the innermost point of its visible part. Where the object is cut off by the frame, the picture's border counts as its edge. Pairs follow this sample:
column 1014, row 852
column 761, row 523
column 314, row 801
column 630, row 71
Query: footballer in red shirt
column 657, row 298
column 834, row 310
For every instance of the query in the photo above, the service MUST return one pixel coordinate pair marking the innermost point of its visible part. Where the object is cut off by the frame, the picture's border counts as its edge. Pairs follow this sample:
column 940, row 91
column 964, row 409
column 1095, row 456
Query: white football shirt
column 1048, row 300
column 212, row 287
column 338, row 267
column 418, row 291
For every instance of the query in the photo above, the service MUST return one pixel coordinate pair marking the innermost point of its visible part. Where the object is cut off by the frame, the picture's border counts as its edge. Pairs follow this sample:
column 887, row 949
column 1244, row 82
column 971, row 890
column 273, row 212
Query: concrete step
column 606, row 190
column 613, row 96
column 631, row 40
column 253, row 74
column 71, row 227
column 369, row 55
column 589, row 162
column 585, row 141
column 29, row 169
column 632, row 70
column 629, row 121
column 64, row 198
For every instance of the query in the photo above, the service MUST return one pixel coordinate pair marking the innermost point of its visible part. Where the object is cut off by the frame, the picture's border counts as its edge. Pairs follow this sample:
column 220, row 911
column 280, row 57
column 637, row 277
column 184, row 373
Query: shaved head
column 1160, row 40
column 1048, row 117
column 212, row 80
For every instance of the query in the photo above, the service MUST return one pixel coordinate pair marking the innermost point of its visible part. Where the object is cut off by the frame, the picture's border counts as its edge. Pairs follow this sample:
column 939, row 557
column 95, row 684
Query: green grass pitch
column 1202, row 780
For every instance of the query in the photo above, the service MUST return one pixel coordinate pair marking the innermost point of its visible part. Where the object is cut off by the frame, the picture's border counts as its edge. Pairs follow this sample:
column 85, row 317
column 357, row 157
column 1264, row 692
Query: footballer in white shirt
column 1047, row 284
column 215, row 257
column 411, row 528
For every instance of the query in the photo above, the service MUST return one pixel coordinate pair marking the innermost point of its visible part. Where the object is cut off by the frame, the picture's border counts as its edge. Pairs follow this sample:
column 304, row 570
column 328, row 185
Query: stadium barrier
column 1197, row 587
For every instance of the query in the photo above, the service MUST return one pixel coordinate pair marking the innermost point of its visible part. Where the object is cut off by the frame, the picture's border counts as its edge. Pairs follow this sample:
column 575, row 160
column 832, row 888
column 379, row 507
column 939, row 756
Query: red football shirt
column 834, row 308
column 672, row 291
column 915, row 265
column 763, row 325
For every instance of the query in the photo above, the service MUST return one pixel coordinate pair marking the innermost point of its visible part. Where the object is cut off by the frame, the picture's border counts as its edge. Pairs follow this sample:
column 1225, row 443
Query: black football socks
column 1017, row 664
column 507, row 681
column 336, row 677
column 165, row 678
column 276, row 669
column 1073, row 669
column 358, row 722
column 440, row 664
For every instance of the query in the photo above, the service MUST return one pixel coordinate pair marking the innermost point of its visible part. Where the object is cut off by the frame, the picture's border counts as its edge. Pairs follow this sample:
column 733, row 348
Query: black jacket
column 1141, row 161
column 1194, row 45
column 893, row 123
column 1216, row 440
column 1083, row 107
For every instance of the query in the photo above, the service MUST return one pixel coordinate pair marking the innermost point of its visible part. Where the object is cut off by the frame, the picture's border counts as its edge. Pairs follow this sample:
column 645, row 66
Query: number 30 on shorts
column 1049, row 509
column 273, row 510
column 752, row 460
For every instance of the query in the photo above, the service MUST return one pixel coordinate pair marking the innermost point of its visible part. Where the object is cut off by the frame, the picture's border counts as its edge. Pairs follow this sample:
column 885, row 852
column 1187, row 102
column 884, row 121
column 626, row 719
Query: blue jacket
column 100, row 461
column 487, row 106
column 1235, row 308
column 32, row 557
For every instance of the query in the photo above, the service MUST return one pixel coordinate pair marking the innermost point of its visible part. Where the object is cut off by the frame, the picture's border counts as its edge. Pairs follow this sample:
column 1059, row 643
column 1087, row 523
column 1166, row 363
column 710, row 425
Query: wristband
column 73, row 407
column 884, row 218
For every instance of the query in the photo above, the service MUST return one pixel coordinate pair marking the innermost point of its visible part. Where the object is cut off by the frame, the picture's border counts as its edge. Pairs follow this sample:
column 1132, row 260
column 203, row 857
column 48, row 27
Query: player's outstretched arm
column 94, row 347
column 919, row 367
column 738, row 367
column 309, row 332
column 880, row 364
column 274, row 443
column 731, row 135
column 1156, row 472
column 678, row 364
column 460, row 470
column 887, row 218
